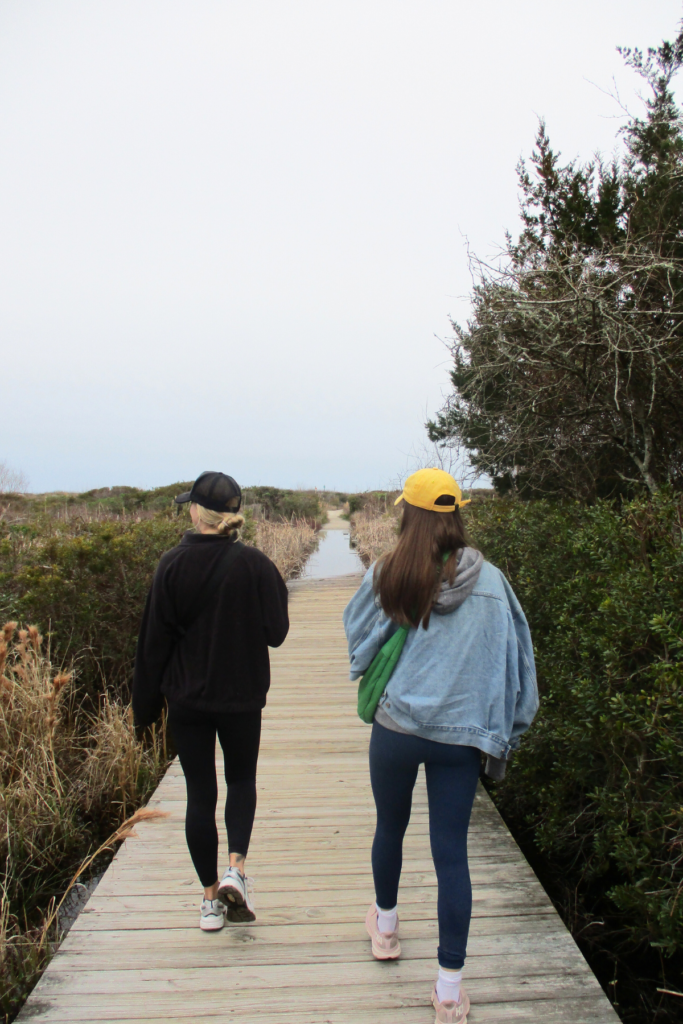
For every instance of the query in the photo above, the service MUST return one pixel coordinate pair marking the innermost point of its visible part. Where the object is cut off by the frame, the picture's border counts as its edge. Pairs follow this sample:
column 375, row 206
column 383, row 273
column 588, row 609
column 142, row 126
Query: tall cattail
column 21, row 648
column 8, row 631
column 35, row 638
column 60, row 681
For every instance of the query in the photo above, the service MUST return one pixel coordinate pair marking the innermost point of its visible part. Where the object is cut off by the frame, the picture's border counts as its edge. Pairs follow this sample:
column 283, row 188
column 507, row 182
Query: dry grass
column 64, row 775
column 118, row 764
column 59, row 520
column 287, row 543
column 24, row 953
column 373, row 532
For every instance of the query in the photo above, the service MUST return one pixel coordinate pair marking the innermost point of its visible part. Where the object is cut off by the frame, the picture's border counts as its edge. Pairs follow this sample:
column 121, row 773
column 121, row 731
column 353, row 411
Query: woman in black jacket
column 214, row 608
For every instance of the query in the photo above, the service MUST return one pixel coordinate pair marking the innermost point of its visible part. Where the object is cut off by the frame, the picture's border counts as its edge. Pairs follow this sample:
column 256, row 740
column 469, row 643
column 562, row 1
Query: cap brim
column 182, row 498
column 400, row 498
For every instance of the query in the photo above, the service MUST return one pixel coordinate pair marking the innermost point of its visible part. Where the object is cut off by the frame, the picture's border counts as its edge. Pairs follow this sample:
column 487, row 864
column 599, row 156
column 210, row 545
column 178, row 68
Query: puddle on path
column 334, row 557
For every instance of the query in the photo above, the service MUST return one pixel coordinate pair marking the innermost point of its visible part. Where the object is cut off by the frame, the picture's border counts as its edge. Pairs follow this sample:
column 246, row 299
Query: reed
column 67, row 776
column 288, row 543
column 373, row 532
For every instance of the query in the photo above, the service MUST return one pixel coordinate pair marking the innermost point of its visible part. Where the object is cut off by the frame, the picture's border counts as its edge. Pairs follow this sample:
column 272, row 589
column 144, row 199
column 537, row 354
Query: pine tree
column 567, row 378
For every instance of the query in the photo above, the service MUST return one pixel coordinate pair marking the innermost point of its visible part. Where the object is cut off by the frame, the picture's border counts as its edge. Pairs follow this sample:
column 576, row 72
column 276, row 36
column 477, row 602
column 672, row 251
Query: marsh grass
column 68, row 775
column 24, row 953
column 287, row 543
column 373, row 532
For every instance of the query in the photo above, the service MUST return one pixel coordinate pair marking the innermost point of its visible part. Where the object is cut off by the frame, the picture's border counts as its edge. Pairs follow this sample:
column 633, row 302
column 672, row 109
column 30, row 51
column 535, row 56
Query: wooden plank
column 196, row 955
column 135, row 954
column 573, row 1009
column 311, row 1003
column 184, row 915
column 499, row 894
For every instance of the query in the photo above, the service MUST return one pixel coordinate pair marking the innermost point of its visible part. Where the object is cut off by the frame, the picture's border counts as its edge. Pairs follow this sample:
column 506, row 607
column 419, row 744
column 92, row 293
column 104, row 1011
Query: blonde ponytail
column 223, row 522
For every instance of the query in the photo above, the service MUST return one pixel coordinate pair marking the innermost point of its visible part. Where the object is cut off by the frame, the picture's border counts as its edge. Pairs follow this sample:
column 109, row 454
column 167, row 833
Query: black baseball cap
column 216, row 491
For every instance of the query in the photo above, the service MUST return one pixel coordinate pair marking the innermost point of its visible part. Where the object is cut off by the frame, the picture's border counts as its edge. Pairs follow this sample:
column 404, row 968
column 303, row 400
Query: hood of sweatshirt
column 452, row 595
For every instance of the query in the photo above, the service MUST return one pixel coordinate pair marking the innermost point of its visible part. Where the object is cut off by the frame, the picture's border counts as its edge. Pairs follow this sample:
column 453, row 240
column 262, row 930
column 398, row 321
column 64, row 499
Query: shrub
column 356, row 502
column 277, row 503
column 299, row 505
column 375, row 501
column 87, row 588
column 598, row 778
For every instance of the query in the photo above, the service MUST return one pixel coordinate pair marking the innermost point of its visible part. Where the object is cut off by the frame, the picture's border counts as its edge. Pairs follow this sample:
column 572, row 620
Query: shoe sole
column 233, row 899
column 383, row 954
column 240, row 914
column 210, row 927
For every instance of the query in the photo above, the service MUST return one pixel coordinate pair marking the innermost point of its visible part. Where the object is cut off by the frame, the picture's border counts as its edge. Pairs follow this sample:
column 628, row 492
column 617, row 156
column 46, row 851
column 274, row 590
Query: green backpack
column 374, row 680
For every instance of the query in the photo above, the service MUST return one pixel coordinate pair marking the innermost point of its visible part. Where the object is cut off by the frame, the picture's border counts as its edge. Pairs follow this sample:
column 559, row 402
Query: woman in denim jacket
column 464, row 685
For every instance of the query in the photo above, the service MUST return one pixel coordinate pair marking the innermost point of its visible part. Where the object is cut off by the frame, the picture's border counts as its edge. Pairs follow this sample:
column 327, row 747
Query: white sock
column 448, row 985
column 387, row 919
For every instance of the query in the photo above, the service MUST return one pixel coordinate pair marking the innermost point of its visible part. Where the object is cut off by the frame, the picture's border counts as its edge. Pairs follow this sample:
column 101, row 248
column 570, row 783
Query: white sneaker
column 212, row 916
column 235, row 891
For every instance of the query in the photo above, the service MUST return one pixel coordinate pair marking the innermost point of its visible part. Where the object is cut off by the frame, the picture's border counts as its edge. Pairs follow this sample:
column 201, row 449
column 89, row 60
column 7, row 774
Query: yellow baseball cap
column 433, row 489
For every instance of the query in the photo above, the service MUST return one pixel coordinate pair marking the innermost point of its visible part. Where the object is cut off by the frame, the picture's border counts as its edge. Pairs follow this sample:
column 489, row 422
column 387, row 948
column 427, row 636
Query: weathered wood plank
column 558, row 1010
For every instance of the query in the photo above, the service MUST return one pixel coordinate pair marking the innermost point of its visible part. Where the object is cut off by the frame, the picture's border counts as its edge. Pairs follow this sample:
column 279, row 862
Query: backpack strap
column 233, row 550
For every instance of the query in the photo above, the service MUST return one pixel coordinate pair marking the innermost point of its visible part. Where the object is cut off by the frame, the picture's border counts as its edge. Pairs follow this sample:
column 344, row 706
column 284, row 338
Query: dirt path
column 335, row 521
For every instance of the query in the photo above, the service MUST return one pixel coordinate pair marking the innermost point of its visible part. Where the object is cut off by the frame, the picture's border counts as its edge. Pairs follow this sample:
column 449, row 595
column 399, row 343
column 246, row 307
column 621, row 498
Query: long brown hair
column 408, row 578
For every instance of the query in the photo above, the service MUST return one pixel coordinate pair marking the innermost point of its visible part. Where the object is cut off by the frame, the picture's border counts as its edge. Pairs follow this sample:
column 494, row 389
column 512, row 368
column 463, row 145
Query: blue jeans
column 452, row 773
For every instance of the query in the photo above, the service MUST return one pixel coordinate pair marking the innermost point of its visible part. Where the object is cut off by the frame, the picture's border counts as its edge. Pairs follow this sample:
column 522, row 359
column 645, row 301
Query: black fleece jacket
column 221, row 664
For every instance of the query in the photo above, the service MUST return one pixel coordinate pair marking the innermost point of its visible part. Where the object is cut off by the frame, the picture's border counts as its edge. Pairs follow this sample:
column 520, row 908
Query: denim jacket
column 468, row 679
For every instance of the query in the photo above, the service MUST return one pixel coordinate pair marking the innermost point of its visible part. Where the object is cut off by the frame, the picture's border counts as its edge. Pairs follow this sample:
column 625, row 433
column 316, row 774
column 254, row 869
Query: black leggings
column 452, row 773
column 194, row 735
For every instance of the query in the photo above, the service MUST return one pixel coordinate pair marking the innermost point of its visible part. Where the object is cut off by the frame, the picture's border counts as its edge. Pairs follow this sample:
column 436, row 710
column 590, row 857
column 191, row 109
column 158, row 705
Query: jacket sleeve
column 273, row 597
column 521, row 666
column 156, row 641
column 367, row 627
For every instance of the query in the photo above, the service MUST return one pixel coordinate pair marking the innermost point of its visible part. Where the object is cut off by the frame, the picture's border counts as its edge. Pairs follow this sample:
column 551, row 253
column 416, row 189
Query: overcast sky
column 232, row 233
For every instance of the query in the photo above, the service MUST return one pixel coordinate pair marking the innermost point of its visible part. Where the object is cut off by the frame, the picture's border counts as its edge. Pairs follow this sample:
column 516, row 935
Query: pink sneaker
column 449, row 1012
column 385, row 945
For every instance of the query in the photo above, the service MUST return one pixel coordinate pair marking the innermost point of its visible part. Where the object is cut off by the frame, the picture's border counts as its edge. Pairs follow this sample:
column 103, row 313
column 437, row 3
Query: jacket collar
column 190, row 537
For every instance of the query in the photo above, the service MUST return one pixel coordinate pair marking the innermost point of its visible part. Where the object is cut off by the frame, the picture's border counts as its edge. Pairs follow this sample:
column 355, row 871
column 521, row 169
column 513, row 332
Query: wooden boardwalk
column 137, row 954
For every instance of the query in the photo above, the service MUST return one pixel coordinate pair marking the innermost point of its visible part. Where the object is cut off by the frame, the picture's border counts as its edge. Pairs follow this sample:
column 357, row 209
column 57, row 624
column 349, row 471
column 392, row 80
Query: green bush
column 87, row 590
column 379, row 501
column 599, row 777
column 294, row 505
column 285, row 504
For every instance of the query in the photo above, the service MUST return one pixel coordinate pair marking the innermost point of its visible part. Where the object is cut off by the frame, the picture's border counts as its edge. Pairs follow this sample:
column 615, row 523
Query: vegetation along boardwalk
column 136, row 953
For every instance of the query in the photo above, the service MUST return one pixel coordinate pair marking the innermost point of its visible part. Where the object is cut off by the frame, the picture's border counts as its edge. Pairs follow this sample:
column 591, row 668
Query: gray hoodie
column 452, row 595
